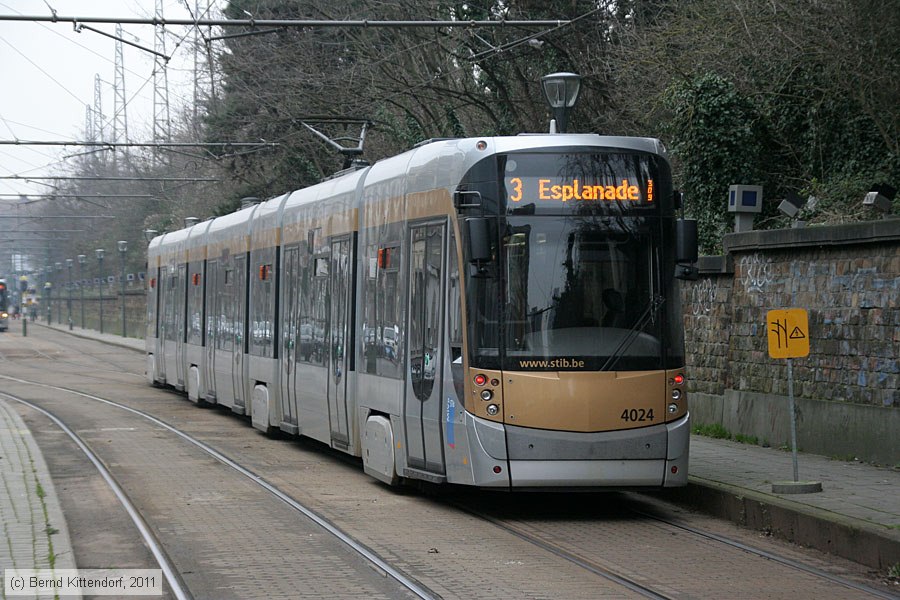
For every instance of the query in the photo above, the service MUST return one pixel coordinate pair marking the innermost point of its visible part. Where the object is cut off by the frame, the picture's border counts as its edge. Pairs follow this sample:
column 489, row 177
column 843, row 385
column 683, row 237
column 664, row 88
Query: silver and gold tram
column 496, row 312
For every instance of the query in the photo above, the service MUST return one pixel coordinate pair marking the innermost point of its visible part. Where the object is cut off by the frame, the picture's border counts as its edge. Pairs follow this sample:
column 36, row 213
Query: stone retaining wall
column 848, row 278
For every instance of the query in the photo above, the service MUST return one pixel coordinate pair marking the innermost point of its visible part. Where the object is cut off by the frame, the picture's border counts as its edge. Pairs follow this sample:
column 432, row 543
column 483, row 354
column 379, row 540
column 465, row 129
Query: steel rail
column 594, row 568
column 168, row 569
column 768, row 555
column 413, row 586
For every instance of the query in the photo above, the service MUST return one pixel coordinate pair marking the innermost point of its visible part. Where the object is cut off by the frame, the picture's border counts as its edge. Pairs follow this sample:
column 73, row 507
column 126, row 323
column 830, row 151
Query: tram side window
column 195, row 304
column 263, row 305
column 171, row 318
column 209, row 285
column 226, row 295
column 371, row 338
column 389, row 310
column 320, row 298
column 312, row 301
column 152, row 291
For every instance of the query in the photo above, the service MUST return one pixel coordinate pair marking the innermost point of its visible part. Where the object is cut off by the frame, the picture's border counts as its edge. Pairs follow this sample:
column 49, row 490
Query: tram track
column 793, row 564
column 553, row 546
column 165, row 564
column 56, row 360
column 119, row 368
column 582, row 561
column 555, row 543
column 375, row 561
column 558, row 548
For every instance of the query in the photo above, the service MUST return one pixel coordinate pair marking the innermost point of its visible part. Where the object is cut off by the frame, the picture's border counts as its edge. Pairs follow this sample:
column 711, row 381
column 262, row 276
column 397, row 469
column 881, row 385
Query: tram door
column 290, row 334
column 238, row 310
column 341, row 274
column 163, row 306
column 213, row 298
column 422, row 401
column 180, row 305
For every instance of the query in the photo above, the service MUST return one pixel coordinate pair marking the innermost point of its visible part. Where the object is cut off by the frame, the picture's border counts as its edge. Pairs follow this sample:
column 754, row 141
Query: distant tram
column 4, row 306
column 494, row 312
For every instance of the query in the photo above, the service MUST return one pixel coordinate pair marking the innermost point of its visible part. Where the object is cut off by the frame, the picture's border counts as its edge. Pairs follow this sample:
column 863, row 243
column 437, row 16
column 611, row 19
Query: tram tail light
column 480, row 379
column 678, row 379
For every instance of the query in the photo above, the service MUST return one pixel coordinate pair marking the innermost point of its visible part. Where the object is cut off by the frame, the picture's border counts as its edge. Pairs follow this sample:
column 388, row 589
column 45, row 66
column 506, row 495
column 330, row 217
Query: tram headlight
column 673, row 408
column 492, row 409
column 4, row 315
column 486, row 395
column 676, row 394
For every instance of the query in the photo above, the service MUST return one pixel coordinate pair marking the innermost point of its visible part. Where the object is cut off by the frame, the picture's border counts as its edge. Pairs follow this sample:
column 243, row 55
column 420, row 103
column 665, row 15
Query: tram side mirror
column 686, row 249
column 479, row 236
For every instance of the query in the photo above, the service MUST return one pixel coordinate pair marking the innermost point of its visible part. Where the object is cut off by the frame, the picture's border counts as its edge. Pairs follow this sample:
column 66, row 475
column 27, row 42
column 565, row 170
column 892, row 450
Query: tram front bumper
column 648, row 457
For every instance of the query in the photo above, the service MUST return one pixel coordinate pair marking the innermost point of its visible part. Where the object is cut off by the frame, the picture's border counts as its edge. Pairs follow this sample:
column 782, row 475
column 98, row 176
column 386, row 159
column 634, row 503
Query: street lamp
column 81, row 260
column 123, row 247
column 561, row 92
column 48, row 293
column 149, row 234
column 100, row 252
column 58, row 296
column 69, row 263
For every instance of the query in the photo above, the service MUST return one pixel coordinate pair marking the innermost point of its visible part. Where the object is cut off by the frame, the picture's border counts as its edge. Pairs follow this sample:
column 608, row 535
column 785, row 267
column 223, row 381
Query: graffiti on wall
column 703, row 297
column 756, row 272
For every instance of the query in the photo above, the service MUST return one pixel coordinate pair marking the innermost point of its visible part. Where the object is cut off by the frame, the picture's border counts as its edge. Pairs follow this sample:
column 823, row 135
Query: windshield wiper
column 648, row 315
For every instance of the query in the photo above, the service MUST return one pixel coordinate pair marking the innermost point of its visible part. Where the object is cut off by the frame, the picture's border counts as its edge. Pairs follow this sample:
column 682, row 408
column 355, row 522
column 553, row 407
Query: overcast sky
column 47, row 73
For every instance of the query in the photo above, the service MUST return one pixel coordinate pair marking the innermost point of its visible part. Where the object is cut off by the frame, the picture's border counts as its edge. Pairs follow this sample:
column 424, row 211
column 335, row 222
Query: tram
column 4, row 306
column 494, row 312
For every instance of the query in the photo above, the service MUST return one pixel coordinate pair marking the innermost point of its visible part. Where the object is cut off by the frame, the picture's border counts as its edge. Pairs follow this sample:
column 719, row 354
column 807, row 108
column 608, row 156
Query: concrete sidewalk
column 34, row 529
column 856, row 515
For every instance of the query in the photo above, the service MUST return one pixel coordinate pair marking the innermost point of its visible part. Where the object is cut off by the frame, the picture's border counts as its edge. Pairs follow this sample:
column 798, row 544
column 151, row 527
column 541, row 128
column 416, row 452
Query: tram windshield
column 580, row 282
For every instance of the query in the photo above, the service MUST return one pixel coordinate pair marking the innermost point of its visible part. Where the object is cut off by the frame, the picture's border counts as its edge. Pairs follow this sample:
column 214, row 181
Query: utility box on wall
column 744, row 201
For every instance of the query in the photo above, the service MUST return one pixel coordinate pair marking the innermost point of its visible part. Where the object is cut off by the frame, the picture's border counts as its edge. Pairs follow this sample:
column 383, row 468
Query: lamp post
column 58, row 296
column 561, row 92
column 69, row 263
column 123, row 247
column 81, row 260
column 48, row 287
column 100, row 252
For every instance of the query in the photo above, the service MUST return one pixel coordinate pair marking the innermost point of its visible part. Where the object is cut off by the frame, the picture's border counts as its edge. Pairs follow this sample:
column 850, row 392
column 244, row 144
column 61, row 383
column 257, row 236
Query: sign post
column 789, row 338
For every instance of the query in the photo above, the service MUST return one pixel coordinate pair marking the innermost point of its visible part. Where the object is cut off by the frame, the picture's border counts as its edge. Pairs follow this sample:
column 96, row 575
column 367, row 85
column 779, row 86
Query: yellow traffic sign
column 788, row 333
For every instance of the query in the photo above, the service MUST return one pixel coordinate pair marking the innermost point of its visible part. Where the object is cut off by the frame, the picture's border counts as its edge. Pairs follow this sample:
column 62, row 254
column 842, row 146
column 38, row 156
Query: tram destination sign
column 546, row 189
